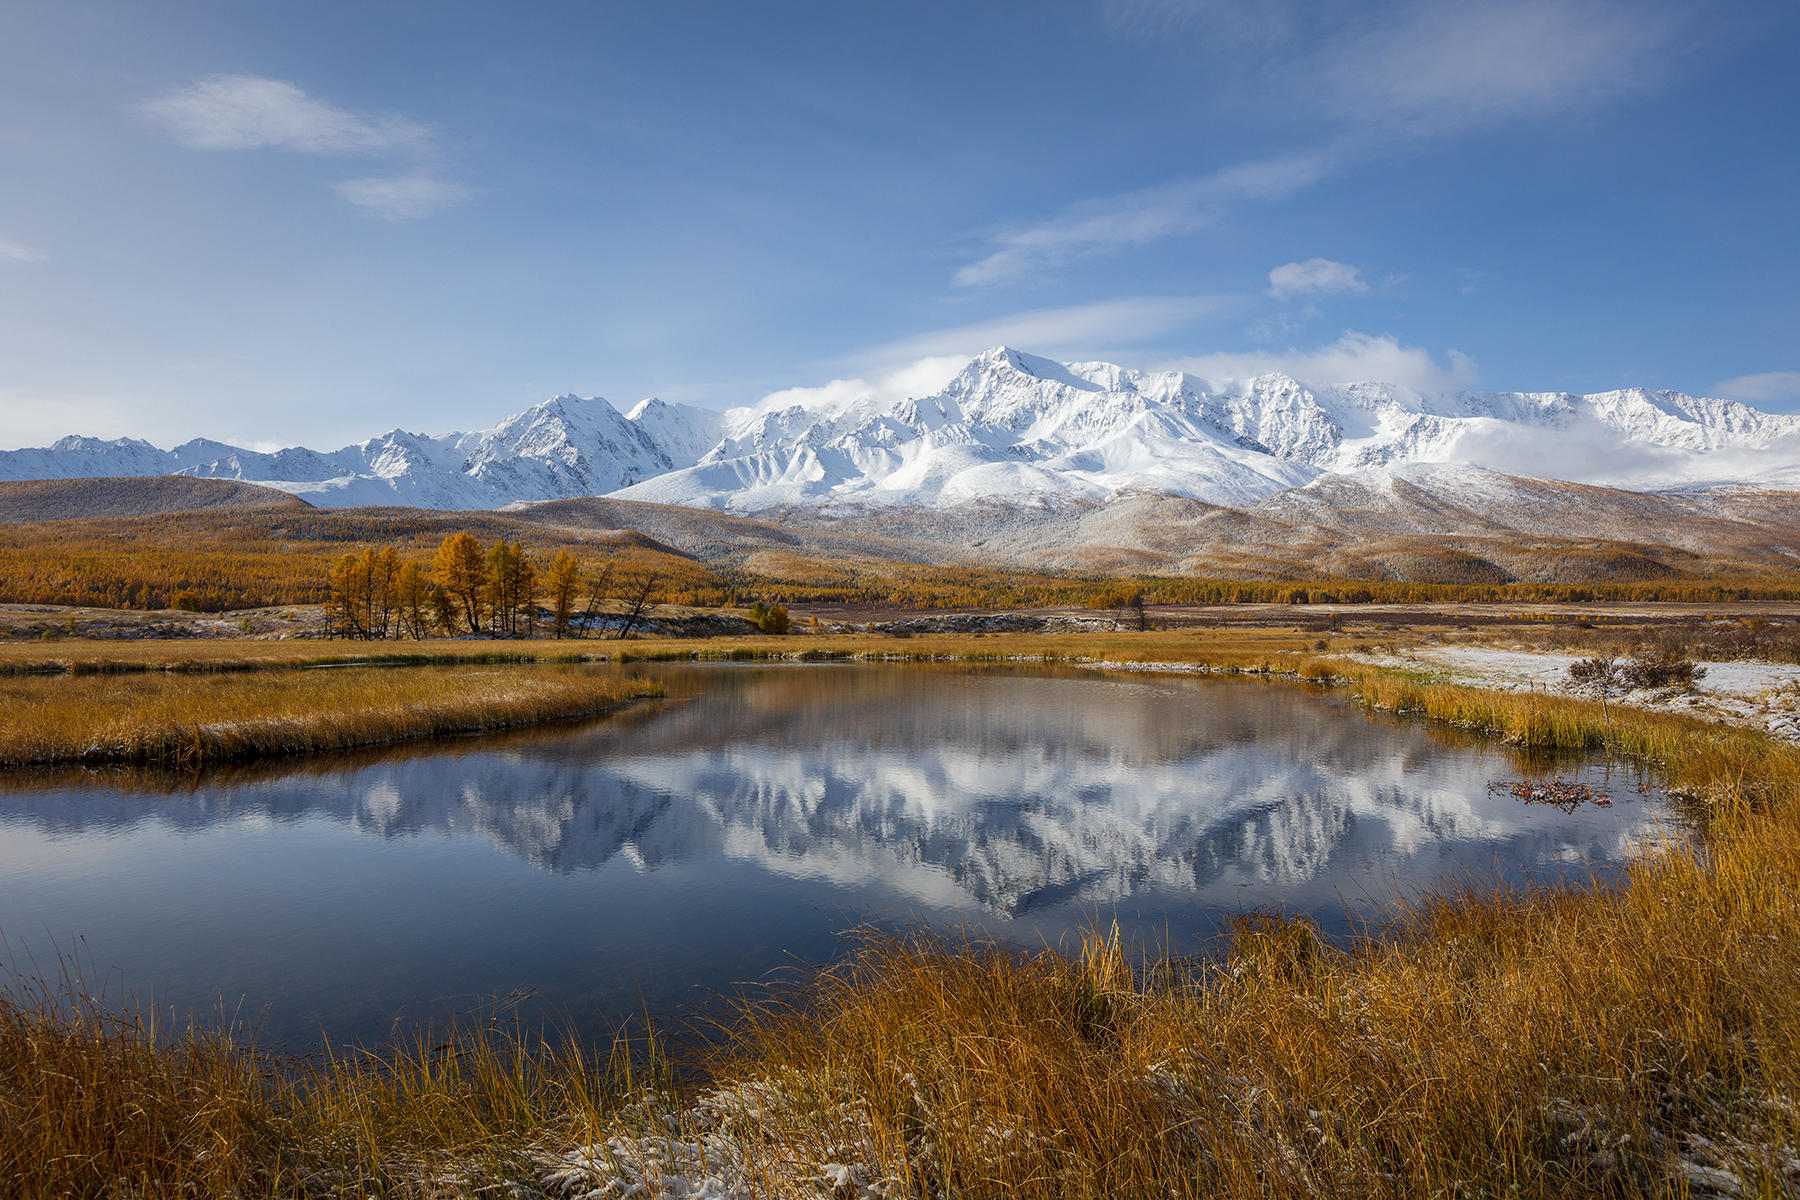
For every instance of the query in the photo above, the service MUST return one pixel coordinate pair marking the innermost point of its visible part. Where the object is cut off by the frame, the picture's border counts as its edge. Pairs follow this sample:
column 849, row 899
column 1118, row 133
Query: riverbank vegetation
column 1639, row 1036
column 189, row 719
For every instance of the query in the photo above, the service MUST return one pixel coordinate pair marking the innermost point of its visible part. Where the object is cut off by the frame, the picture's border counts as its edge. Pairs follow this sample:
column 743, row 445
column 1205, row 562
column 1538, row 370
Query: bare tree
column 638, row 606
column 596, row 593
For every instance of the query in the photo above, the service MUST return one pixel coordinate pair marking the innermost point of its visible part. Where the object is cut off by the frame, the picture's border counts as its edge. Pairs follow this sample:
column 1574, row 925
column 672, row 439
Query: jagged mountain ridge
column 1014, row 428
column 1019, row 427
column 567, row 446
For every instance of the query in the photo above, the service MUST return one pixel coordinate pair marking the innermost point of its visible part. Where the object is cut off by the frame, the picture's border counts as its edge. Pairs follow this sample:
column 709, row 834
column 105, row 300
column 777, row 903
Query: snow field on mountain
column 1014, row 428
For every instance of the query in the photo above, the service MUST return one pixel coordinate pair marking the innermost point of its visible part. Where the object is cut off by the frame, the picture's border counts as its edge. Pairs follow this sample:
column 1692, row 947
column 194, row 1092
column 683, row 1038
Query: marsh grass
column 1639, row 1035
column 96, row 1100
column 189, row 720
column 235, row 657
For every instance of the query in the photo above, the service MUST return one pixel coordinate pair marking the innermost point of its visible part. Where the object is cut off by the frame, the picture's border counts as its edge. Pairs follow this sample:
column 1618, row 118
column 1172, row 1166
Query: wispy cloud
column 923, row 364
column 1141, row 217
column 1451, row 66
column 1421, row 69
column 1233, row 21
column 247, row 112
column 1769, row 387
column 1353, row 358
column 1071, row 332
column 19, row 252
column 402, row 196
column 1314, row 277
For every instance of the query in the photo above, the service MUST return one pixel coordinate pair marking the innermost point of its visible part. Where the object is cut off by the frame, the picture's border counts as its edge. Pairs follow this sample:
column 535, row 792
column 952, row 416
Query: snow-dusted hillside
column 1011, row 427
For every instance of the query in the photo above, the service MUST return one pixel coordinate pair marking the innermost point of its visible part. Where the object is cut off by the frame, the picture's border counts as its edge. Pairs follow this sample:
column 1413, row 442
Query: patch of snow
column 1762, row 694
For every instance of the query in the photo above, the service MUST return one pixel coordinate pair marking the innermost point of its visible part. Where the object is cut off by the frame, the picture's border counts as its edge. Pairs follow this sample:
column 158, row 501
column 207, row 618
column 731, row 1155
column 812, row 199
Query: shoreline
column 1462, row 1043
column 191, row 720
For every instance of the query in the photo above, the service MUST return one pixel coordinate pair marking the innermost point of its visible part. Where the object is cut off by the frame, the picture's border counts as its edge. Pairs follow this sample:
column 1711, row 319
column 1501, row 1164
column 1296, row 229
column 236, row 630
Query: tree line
column 468, row 589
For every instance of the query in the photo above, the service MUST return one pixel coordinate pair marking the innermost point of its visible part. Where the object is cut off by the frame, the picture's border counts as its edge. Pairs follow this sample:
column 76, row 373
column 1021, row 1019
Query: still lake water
column 662, row 855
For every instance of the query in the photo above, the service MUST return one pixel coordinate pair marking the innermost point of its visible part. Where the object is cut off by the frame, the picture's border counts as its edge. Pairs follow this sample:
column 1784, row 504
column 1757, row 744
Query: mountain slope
column 566, row 446
column 74, row 499
column 1016, row 427
column 1012, row 429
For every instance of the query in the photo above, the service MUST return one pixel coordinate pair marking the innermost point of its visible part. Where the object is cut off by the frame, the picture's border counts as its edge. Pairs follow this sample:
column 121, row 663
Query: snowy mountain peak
column 1009, row 427
column 1012, row 426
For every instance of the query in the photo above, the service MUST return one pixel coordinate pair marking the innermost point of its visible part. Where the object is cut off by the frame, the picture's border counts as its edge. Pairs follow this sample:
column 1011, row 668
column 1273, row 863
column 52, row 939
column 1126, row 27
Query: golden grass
column 188, row 719
column 1526, row 1043
column 1621, row 1039
column 94, row 1103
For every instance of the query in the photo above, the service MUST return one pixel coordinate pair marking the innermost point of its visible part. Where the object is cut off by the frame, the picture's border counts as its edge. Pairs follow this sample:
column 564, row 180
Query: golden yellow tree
column 461, row 569
column 564, row 582
column 383, row 568
column 345, row 603
column 413, row 597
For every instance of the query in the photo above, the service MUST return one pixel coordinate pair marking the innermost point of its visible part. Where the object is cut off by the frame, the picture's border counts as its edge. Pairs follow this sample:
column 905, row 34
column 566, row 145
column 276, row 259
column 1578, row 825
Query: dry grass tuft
column 94, row 1103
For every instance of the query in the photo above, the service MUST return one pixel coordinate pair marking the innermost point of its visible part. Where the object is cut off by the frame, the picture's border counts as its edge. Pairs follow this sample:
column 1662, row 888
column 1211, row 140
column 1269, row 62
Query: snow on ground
column 1760, row 694
column 1763, row 694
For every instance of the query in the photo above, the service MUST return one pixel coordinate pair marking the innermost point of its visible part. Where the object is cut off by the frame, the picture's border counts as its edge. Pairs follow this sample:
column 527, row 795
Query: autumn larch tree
column 443, row 611
column 461, row 570
column 364, row 597
column 564, row 582
column 512, row 584
column 413, row 596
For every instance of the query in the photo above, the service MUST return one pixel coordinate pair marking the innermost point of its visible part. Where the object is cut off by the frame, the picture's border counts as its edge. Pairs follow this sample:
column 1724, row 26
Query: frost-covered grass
column 188, row 719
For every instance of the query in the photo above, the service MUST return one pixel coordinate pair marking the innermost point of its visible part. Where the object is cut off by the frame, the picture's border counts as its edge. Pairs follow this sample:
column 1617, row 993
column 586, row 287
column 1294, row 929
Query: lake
column 655, row 858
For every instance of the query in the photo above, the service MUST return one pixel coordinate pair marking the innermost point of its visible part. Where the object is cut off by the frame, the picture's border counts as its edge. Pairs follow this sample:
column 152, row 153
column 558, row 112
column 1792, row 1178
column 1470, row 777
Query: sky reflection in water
column 624, row 864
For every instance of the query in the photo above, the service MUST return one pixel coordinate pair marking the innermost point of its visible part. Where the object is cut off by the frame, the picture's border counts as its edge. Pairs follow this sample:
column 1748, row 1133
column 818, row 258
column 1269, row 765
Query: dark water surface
column 640, row 860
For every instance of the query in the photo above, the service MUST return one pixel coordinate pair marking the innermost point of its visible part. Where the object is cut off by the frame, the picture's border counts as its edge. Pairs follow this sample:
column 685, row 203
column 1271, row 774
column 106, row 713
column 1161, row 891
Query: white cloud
column 1141, row 217
column 403, row 196
column 246, row 112
column 1232, row 21
column 922, row 365
column 1422, row 69
column 19, row 252
column 1761, row 389
column 1077, row 331
column 1587, row 450
column 1353, row 358
column 1452, row 65
column 1314, row 277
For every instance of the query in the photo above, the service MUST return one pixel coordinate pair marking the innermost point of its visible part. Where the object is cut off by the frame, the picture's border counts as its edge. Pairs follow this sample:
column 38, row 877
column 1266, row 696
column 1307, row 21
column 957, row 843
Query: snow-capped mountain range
column 1010, row 427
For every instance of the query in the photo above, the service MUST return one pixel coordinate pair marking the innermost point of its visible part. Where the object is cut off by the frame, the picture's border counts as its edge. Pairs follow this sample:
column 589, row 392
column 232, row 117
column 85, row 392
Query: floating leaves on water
column 1557, row 792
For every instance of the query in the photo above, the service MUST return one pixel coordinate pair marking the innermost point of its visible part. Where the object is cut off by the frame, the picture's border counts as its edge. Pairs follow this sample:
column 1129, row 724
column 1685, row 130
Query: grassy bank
column 1638, row 1039
column 190, row 719
column 236, row 656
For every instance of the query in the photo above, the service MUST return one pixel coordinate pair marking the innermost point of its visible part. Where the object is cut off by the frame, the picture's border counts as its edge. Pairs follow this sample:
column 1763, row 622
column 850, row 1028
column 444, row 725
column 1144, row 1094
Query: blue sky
column 306, row 223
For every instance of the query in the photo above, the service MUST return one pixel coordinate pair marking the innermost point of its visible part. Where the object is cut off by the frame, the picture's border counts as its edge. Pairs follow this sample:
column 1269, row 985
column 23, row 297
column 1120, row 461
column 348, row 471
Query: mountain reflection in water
column 1027, row 800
